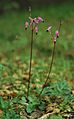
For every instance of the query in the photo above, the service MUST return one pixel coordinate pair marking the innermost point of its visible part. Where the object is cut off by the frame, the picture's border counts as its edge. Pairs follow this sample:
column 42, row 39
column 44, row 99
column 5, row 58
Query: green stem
column 29, row 79
column 48, row 76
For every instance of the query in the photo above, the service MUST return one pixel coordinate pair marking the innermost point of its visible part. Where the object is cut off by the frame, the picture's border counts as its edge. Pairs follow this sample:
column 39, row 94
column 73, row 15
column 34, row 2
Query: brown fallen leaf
column 45, row 116
column 13, row 94
column 51, row 107
column 1, row 111
column 15, row 76
column 5, row 74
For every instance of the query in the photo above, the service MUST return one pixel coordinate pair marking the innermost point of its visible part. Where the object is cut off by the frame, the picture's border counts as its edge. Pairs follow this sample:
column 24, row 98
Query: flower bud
column 49, row 29
column 54, row 40
column 36, row 30
column 57, row 33
column 40, row 19
column 26, row 25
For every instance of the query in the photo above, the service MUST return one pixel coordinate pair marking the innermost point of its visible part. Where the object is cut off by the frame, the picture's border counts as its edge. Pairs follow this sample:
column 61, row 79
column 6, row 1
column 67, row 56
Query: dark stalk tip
column 25, row 28
column 36, row 33
column 47, row 30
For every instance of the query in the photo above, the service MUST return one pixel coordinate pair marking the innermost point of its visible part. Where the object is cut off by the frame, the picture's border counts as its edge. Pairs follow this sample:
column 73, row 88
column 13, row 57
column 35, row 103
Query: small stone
column 36, row 114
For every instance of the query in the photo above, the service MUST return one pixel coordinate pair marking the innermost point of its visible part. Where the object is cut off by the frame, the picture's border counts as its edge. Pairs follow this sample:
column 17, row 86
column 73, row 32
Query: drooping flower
column 56, row 36
column 49, row 29
column 31, row 20
column 57, row 33
column 54, row 39
column 33, row 23
column 35, row 20
column 40, row 19
column 36, row 30
column 26, row 25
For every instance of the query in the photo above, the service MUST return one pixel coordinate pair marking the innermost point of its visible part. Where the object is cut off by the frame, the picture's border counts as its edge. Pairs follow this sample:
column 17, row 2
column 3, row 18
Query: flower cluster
column 33, row 23
column 57, row 33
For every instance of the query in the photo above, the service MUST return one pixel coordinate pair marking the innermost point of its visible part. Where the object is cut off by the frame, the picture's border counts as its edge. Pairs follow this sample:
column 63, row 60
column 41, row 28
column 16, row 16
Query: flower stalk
column 30, row 67
column 33, row 25
column 53, row 53
column 49, row 72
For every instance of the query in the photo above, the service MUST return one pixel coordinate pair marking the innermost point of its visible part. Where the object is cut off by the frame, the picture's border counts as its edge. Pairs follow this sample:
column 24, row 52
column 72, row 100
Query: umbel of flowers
column 32, row 24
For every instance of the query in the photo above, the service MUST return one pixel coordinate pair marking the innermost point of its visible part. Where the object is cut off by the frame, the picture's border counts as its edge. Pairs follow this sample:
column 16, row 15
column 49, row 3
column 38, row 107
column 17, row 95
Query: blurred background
column 14, row 40
column 6, row 5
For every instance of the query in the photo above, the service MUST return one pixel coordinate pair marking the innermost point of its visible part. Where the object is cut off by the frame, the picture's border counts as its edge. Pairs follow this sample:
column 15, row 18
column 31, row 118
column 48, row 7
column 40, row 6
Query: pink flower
column 40, row 19
column 31, row 20
column 33, row 23
column 35, row 20
column 26, row 25
column 56, row 36
column 54, row 39
column 49, row 29
column 57, row 33
column 36, row 30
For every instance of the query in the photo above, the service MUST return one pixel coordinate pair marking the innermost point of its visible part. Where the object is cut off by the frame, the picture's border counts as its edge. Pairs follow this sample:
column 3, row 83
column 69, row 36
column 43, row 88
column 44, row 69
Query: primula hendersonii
column 54, row 38
column 33, row 23
column 26, row 25
column 49, row 29
column 35, row 20
column 57, row 34
column 36, row 30
column 40, row 19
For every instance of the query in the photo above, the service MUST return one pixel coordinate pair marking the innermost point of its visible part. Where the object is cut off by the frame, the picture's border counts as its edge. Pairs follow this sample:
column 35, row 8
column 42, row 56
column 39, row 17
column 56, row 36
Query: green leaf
column 23, row 100
column 30, row 108
column 33, row 103
column 46, row 91
column 69, row 98
column 60, row 88
column 53, row 117
column 42, row 105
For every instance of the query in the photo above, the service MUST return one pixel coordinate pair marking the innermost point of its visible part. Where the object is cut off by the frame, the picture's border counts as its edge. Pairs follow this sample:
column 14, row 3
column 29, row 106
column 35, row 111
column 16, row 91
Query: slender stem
column 48, row 76
column 30, row 10
column 29, row 79
column 60, row 26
